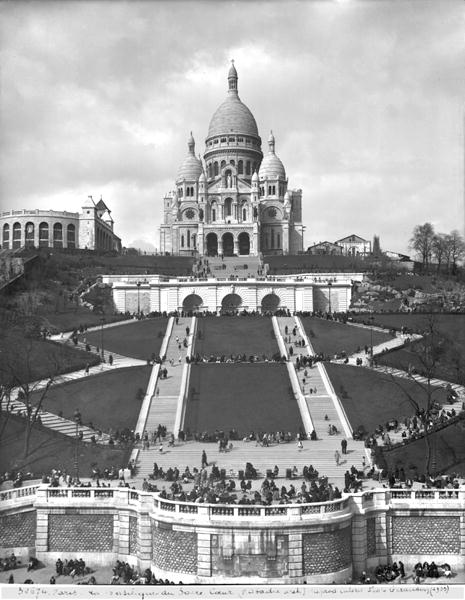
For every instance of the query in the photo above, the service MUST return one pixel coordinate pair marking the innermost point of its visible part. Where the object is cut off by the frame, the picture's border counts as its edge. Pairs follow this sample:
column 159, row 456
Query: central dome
column 232, row 116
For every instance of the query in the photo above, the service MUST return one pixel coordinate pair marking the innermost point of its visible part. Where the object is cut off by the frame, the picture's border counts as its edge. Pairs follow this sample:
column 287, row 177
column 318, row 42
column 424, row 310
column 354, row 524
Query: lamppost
column 330, row 285
column 102, row 321
column 371, row 339
column 76, row 451
column 138, row 298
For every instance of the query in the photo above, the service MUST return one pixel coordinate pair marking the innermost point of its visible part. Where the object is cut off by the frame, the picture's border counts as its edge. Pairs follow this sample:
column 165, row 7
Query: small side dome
column 255, row 177
column 202, row 178
column 191, row 168
column 271, row 166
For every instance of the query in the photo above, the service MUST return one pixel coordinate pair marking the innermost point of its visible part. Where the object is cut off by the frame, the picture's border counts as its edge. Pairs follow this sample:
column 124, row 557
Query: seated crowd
column 72, row 567
column 125, row 573
column 235, row 358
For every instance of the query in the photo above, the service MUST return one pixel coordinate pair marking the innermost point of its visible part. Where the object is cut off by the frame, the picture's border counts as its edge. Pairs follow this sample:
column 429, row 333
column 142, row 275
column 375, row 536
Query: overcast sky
column 365, row 99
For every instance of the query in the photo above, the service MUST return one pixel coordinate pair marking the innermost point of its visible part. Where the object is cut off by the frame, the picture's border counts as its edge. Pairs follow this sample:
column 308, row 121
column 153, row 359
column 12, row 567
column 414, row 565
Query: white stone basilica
column 237, row 201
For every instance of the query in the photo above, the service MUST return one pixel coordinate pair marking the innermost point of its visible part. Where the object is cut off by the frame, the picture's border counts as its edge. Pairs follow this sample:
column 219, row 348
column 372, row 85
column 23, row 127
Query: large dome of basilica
column 232, row 116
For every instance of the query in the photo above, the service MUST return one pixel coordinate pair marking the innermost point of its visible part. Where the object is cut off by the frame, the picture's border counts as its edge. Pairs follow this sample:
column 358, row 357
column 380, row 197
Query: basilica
column 236, row 201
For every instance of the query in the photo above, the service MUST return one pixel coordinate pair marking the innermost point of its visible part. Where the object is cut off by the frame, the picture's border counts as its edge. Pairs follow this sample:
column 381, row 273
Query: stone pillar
column 122, row 532
column 220, row 245
column 295, row 555
column 36, row 233
column 42, row 530
column 204, row 563
column 462, row 532
column 144, row 534
column 236, row 246
column 359, row 538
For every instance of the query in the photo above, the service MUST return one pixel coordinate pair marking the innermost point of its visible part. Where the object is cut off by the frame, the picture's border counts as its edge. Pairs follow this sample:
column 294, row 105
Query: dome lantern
column 232, row 78
column 191, row 167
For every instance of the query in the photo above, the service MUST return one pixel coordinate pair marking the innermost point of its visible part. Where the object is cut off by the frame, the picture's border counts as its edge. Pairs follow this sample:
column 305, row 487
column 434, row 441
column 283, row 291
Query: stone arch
column 43, row 235
column 6, row 236
column 231, row 303
column 228, row 244
column 270, row 303
column 212, row 244
column 192, row 303
column 244, row 243
column 58, row 235
column 16, row 235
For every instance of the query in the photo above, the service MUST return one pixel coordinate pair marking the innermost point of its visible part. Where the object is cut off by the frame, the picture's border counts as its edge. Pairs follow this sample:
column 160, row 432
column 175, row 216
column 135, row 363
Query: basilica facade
column 235, row 202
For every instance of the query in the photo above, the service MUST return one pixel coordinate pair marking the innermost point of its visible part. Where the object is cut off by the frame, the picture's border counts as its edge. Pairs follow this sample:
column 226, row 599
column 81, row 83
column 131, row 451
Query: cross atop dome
column 232, row 78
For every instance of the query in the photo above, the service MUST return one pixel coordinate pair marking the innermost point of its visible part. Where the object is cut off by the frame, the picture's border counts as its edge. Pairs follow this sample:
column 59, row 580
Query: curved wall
column 329, row 542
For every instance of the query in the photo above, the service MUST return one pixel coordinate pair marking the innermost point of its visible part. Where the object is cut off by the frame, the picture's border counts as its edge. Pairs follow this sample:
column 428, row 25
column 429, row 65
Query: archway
column 231, row 303
column 228, row 244
column 270, row 303
column 244, row 243
column 192, row 303
column 212, row 244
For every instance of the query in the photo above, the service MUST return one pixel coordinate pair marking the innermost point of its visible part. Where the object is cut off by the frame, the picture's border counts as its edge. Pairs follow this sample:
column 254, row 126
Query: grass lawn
column 331, row 337
column 108, row 400
column 450, row 452
column 305, row 263
column 371, row 399
column 24, row 359
column 451, row 328
column 137, row 339
column 448, row 325
column 52, row 450
column 246, row 397
column 235, row 335
column 70, row 319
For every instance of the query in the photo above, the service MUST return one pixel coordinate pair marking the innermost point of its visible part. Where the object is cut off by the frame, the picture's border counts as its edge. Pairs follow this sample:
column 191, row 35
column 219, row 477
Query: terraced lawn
column 370, row 398
column 110, row 400
column 51, row 450
column 246, row 397
column 137, row 339
column 449, row 444
column 331, row 337
column 235, row 335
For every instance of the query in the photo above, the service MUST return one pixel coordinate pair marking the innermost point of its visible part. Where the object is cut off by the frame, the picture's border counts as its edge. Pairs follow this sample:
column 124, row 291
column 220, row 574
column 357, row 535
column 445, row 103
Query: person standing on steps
column 204, row 459
column 337, row 457
column 344, row 446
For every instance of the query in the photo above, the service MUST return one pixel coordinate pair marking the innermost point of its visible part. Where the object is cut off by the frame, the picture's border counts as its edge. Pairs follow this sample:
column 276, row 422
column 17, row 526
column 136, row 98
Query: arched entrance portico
column 212, row 244
column 228, row 244
column 244, row 243
column 231, row 303
column 192, row 303
column 270, row 303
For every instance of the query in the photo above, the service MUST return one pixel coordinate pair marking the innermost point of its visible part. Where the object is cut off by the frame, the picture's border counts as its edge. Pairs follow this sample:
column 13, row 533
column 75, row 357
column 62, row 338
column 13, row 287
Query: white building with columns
column 236, row 201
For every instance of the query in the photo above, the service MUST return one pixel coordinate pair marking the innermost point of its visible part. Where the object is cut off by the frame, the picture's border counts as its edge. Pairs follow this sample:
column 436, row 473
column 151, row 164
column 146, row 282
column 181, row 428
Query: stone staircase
column 234, row 266
column 164, row 404
column 64, row 426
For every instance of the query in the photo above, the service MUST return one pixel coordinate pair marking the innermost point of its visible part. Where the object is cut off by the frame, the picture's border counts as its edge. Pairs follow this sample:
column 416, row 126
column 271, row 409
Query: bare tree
column 427, row 353
column 439, row 249
column 421, row 241
column 18, row 379
column 456, row 248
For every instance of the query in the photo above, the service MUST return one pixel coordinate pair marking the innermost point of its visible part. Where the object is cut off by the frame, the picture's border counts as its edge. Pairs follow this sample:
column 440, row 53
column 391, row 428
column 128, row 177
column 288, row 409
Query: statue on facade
column 229, row 181
column 200, row 214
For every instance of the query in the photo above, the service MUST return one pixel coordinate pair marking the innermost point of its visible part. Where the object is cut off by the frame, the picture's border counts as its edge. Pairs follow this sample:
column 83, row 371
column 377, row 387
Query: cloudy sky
column 365, row 99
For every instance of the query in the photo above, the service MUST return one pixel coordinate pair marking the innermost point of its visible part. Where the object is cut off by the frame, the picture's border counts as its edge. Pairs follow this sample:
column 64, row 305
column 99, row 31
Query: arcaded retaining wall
column 210, row 543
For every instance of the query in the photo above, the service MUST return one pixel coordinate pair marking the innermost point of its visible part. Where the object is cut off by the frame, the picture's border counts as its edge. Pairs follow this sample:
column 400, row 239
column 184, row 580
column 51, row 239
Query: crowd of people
column 235, row 358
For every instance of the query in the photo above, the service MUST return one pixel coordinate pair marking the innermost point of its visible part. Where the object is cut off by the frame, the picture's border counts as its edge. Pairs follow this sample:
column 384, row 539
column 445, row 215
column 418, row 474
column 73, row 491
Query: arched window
column 58, row 235
column 182, row 241
column 188, row 238
column 278, row 240
column 194, row 239
column 17, row 235
column 71, row 236
column 240, row 167
column 232, row 162
column 244, row 214
column 247, row 167
column 223, row 164
column 180, row 192
column 29, row 234
column 6, row 236
column 215, row 168
column 228, row 206
column 272, row 238
column 213, row 214
column 43, row 235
